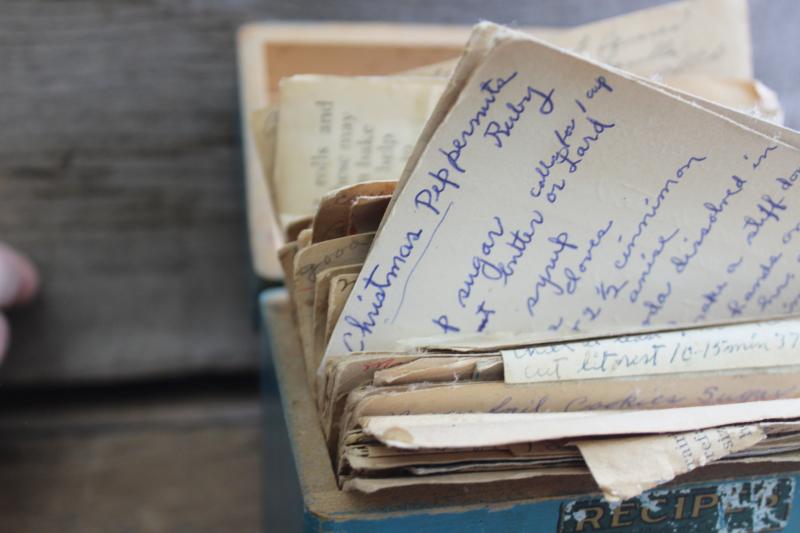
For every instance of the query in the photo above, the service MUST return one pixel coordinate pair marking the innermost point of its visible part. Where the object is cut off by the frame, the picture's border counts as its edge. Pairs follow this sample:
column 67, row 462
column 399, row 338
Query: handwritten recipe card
column 558, row 198
column 558, row 257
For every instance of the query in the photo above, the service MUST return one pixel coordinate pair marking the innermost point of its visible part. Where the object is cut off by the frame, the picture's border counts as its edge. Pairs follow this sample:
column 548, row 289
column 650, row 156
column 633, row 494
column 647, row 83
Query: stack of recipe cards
column 700, row 47
column 535, row 264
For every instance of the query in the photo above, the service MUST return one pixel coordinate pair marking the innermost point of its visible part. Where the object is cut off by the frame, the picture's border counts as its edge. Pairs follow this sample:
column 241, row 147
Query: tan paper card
column 475, row 430
column 710, row 37
column 332, row 218
column 335, row 131
column 756, row 345
column 369, row 485
column 626, row 467
column 308, row 262
column 684, row 215
column 324, row 286
column 367, row 212
column 341, row 287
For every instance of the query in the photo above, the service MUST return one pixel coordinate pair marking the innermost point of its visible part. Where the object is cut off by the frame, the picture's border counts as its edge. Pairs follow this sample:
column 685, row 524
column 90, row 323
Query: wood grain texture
column 120, row 162
column 179, row 465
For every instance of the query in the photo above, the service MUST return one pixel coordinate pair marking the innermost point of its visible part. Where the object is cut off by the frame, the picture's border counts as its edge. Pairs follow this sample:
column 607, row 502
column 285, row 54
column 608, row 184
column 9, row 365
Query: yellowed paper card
column 710, row 37
column 308, row 262
column 747, row 96
column 323, row 287
column 756, row 345
column 332, row 218
column 474, row 430
column 650, row 392
column 262, row 221
column 626, row 467
column 370, row 485
column 544, row 207
column 341, row 287
column 335, row 131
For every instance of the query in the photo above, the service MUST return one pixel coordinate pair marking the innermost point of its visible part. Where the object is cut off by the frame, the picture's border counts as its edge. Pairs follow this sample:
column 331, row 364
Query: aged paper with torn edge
column 324, row 286
column 650, row 392
column 310, row 260
column 341, row 286
column 332, row 217
column 475, row 430
column 626, row 467
column 369, row 485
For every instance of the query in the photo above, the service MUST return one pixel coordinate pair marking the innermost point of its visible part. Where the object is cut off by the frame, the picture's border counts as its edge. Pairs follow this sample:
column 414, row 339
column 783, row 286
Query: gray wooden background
column 120, row 168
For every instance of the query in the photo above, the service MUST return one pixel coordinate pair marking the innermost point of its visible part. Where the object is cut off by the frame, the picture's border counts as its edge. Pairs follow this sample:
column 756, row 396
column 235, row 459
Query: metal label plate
column 730, row 507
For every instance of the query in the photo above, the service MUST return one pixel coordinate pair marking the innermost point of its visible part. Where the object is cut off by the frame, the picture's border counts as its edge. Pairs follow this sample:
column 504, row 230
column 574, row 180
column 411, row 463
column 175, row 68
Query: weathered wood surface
column 120, row 161
column 191, row 463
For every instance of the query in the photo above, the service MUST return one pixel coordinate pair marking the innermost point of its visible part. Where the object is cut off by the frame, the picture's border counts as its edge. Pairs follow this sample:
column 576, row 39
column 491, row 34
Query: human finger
column 19, row 280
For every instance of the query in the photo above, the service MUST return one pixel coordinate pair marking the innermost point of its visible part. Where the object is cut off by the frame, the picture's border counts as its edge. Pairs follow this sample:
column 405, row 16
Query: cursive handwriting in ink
column 768, row 209
column 654, row 307
column 493, row 270
column 484, row 314
column 563, row 155
column 649, row 264
column 788, row 182
column 561, row 242
column 428, row 197
column 680, row 262
column 735, row 307
column 378, row 285
column 594, row 242
column 498, row 131
column 653, row 208
column 444, row 323
column 606, row 291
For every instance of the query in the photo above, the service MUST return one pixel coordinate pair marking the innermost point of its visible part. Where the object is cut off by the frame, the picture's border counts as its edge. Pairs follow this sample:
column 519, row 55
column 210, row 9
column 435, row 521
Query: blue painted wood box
column 755, row 497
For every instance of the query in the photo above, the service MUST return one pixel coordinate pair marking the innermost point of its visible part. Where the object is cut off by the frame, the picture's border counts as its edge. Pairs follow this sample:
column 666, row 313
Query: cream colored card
column 709, row 37
column 429, row 369
column 341, row 287
column 745, row 95
column 335, row 131
column 626, row 467
column 755, row 345
column 310, row 261
column 324, row 286
column 557, row 199
column 651, row 392
column 265, row 233
column 476, row 430
column 370, row 485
